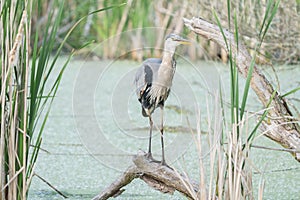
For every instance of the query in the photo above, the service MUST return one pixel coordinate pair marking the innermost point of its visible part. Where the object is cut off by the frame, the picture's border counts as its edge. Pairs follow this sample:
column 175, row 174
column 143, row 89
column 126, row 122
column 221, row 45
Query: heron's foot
column 150, row 157
column 163, row 163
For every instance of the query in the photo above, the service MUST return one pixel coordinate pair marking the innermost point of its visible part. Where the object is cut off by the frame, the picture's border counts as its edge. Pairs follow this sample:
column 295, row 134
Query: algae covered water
column 95, row 126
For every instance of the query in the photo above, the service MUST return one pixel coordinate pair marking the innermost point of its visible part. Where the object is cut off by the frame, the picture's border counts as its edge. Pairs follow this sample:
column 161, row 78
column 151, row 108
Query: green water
column 96, row 126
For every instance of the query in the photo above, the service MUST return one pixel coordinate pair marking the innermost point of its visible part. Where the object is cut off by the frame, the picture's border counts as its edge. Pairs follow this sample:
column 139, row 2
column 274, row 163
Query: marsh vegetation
column 35, row 33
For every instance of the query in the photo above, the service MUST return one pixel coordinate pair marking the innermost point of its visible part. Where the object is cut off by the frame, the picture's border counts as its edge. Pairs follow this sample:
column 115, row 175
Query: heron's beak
column 184, row 41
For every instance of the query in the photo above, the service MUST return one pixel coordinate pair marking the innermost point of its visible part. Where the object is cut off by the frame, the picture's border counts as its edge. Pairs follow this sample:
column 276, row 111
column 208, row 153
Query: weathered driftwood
column 281, row 126
column 159, row 177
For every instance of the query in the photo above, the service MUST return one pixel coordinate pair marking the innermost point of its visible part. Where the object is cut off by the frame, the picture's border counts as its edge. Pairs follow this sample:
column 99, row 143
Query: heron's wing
column 153, row 60
column 145, row 75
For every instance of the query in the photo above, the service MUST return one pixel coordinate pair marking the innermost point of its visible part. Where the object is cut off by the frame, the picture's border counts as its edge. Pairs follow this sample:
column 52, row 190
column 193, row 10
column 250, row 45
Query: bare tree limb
column 159, row 177
column 281, row 129
column 115, row 188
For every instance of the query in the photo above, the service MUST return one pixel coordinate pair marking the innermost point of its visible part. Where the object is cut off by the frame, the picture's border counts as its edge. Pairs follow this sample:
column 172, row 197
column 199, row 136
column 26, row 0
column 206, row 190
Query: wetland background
column 53, row 106
column 281, row 44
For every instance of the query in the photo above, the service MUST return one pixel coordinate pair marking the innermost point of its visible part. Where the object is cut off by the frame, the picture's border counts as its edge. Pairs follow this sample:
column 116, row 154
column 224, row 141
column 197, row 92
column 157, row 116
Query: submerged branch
column 51, row 186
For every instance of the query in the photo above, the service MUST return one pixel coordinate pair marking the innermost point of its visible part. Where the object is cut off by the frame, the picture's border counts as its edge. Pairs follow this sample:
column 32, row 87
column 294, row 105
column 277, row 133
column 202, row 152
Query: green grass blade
column 228, row 14
column 221, row 29
column 247, row 87
column 222, row 103
column 223, row 112
column 38, row 70
column 270, row 19
column 298, row 6
column 236, row 32
column 291, row 92
column 233, row 85
column 264, row 28
column 234, row 91
column 51, row 96
column 34, row 156
column 42, row 68
column 265, row 17
column 236, row 96
column 252, row 134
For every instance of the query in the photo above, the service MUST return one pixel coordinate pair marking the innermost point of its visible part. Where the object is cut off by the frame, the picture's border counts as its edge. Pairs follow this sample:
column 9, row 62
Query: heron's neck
column 168, row 56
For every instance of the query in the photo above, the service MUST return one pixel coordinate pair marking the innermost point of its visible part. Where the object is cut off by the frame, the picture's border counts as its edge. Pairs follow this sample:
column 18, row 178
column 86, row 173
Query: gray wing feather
column 153, row 60
column 146, row 74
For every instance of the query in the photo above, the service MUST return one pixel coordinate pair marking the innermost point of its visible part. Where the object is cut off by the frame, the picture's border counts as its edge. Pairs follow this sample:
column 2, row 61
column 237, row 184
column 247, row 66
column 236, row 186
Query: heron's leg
column 149, row 154
column 163, row 161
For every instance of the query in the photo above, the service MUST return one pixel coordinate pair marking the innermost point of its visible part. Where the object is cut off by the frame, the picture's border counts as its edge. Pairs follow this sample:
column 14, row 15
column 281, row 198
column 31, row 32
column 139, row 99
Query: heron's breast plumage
column 158, row 94
column 153, row 82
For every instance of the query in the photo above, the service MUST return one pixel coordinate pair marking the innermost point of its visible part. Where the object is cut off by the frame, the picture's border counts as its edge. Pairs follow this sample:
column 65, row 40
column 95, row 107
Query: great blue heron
column 153, row 83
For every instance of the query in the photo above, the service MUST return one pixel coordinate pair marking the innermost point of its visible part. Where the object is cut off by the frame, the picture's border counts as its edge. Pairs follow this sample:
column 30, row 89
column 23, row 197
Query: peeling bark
column 159, row 177
column 281, row 126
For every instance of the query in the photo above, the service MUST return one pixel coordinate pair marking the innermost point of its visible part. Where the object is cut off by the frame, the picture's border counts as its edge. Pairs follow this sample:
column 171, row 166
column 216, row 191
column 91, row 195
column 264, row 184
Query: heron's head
column 172, row 41
column 176, row 39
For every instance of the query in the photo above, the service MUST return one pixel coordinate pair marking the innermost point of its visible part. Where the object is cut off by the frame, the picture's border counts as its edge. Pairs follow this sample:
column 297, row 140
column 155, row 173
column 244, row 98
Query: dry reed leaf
column 13, row 54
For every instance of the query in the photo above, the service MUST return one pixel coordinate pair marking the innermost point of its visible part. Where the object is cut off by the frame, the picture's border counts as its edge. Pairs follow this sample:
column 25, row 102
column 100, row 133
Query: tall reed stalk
column 229, row 154
column 25, row 101
column 26, row 91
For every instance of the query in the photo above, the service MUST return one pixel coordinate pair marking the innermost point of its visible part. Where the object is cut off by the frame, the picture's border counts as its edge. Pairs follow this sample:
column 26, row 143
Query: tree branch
column 282, row 130
column 159, row 177
column 115, row 189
